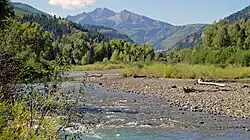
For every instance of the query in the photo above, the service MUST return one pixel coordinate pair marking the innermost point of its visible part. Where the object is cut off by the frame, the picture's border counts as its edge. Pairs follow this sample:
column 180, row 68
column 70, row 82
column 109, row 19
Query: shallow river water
column 176, row 134
column 115, row 115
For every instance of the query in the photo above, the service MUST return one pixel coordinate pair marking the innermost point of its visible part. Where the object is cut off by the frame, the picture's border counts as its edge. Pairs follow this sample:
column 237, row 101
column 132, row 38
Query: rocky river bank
column 232, row 100
column 115, row 107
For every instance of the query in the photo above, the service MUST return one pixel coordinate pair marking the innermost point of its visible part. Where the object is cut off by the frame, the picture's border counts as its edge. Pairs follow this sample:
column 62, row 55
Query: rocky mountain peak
column 101, row 13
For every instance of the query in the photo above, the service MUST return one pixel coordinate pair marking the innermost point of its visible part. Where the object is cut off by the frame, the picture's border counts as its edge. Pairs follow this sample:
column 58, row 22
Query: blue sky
column 177, row 12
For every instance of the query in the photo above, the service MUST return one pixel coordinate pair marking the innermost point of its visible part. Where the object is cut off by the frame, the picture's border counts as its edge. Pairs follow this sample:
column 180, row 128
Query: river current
column 114, row 115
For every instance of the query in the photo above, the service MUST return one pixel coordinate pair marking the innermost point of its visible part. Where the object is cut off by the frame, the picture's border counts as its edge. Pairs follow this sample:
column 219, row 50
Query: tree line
column 222, row 44
column 72, row 43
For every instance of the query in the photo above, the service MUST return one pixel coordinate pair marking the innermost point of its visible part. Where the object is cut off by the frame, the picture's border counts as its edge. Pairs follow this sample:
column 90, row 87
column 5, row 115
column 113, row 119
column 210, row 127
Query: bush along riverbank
column 29, row 110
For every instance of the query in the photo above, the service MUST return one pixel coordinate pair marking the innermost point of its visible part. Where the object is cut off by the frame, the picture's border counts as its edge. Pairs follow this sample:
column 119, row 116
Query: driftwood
column 138, row 76
column 93, row 75
column 190, row 90
column 245, row 86
column 87, row 76
column 200, row 81
column 220, row 80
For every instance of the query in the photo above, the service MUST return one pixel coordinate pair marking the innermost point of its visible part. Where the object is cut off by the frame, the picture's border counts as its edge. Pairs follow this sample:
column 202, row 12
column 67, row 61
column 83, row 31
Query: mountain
column 139, row 28
column 21, row 9
column 102, row 12
column 108, row 32
column 24, row 9
column 242, row 15
column 187, row 33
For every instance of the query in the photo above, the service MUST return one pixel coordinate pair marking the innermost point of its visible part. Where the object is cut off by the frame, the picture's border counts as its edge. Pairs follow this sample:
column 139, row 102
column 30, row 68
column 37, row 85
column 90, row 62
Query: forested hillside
column 32, row 14
column 242, row 15
column 190, row 41
column 222, row 44
column 196, row 38
column 72, row 43
column 22, row 9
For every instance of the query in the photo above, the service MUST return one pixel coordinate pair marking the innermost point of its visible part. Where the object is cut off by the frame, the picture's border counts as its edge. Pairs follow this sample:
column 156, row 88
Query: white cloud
column 71, row 4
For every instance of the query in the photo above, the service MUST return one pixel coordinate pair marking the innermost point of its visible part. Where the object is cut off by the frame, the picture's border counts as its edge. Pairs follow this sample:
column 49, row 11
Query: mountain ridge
column 243, row 14
column 101, row 12
column 23, row 9
column 139, row 28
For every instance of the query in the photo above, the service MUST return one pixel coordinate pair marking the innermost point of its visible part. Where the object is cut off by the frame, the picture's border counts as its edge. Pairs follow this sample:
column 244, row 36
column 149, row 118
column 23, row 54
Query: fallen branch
column 94, row 75
column 138, row 76
column 220, row 80
column 190, row 90
column 210, row 83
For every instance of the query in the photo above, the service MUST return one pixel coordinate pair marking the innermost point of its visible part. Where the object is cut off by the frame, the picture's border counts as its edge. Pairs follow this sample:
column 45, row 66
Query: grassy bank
column 189, row 71
column 97, row 66
column 171, row 71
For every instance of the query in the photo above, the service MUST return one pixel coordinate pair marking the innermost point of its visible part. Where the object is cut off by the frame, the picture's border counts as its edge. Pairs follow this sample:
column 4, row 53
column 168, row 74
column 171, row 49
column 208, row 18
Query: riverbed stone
column 213, row 100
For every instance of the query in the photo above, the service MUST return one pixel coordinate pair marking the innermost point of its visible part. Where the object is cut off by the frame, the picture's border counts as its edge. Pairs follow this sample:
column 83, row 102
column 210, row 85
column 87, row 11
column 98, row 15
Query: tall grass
column 97, row 66
column 189, row 71
column 182, row 71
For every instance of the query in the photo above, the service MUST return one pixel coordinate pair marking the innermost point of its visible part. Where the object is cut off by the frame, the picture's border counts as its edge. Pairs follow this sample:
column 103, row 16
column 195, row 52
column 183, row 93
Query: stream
column 115, row 115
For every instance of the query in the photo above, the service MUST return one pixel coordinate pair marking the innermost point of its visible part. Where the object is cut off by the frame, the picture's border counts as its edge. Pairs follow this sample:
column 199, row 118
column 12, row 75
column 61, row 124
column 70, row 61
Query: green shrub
column 84, row 60
column 105, row 60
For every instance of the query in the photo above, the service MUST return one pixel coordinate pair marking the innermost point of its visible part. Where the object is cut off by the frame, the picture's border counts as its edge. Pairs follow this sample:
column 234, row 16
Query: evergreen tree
column 6, row 10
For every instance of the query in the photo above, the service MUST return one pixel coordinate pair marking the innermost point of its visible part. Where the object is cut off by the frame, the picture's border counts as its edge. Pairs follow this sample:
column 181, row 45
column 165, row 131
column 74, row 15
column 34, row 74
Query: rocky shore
column 232, row 100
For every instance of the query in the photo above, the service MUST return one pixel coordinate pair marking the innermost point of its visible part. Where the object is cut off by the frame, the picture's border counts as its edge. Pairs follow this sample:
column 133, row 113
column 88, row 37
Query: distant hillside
column 242, row 15
column 189, row 41
column 108, row 32
column 21, row 9
column 181, row 40
column 140, row 28
column 24, row 9
column 193, row 39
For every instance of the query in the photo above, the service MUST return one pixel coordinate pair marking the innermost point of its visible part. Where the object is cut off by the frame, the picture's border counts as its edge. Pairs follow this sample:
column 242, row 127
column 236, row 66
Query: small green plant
column 31, row 115
column 105, row 60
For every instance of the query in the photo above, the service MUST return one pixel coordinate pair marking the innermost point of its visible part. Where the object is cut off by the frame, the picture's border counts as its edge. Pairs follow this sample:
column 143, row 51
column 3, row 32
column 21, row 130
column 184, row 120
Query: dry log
column 138, row 76
column 210, row 83
column 94, row 75
column 220, row 80
column 190, row 90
